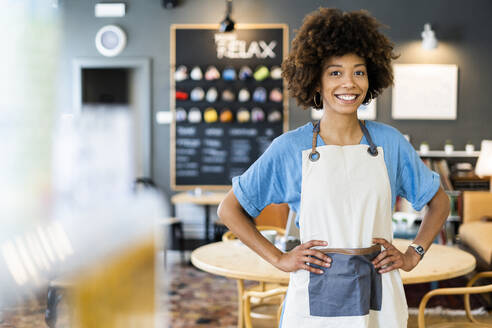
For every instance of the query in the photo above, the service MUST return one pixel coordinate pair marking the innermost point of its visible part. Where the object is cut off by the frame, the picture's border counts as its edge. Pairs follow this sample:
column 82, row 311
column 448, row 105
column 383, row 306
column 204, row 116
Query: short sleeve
column 265, row 180
column 416, row 182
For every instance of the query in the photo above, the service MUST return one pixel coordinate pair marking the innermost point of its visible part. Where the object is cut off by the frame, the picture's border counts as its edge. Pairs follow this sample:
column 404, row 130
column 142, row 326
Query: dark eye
column 360, row 73
column 335, row 73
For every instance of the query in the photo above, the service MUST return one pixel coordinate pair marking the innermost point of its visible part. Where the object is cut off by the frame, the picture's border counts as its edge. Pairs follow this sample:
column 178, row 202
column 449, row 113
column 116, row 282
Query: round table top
column 233, row 259
column 206, row 198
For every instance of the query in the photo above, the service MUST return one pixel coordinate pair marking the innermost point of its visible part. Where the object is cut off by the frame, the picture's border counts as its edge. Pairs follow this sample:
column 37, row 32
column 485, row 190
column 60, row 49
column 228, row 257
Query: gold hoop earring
column 317, row 104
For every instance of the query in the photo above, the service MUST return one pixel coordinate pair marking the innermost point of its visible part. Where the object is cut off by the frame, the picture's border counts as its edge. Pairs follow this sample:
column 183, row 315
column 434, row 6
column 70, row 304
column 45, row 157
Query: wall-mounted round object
column 110, row 40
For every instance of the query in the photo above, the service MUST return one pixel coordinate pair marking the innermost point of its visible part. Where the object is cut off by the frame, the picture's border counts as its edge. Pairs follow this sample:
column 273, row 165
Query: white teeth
column 346, row 97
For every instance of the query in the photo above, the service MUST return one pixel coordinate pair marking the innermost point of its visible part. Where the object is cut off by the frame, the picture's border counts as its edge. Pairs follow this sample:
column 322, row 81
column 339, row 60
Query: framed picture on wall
column 424, row 92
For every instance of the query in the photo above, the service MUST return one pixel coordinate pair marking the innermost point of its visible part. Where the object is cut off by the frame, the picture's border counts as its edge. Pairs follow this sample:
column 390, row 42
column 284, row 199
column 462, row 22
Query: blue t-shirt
column 276, row 176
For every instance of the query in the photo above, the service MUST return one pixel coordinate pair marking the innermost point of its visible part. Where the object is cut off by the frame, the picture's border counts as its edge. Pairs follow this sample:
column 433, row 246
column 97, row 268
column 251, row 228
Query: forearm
column 233, row 216
column 434, row 219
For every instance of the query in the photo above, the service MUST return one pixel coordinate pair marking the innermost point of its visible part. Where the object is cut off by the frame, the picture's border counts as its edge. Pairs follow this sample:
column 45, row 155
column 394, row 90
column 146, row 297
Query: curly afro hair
column 330, row 32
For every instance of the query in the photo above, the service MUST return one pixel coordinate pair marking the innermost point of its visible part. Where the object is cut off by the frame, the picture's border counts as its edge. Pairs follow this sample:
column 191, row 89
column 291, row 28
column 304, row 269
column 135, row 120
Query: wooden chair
column 475, row 231
column 466, row 291
column 273, row 217
column 249, row 295
column 263, row 294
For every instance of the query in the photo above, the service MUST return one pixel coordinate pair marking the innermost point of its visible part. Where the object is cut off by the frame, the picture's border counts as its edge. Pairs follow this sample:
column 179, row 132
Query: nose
column 348, row 81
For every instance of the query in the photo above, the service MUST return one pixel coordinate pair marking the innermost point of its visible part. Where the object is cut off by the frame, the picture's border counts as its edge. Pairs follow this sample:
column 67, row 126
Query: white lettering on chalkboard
column 187, row 173
column 182, row 159
column 240, row 150
column 214, row 152
column 187, row 165
column 212, row 143
column 240, row 159
column 230, row 47
column 214, row 132
column 186, row 131
column 186, row 151
column 213, row 160
column 243, row 132
column 212, row 169
column 190, row 143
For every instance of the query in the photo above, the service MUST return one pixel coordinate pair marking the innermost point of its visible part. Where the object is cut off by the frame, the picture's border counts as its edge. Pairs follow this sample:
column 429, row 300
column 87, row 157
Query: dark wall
column 463, row 30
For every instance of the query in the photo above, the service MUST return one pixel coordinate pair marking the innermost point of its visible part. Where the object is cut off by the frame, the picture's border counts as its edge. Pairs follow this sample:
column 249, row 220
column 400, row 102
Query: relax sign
column 229, row 47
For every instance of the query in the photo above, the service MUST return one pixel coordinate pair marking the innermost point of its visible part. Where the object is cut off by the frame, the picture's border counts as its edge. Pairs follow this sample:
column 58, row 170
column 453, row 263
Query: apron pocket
column 350, row 287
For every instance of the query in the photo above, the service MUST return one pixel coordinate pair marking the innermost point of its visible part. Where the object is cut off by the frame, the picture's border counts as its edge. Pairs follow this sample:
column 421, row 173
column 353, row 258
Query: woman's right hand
column 299, row 256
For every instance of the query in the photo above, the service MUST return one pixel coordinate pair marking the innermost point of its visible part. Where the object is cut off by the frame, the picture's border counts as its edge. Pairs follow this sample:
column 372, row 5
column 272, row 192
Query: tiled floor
column 194, row 298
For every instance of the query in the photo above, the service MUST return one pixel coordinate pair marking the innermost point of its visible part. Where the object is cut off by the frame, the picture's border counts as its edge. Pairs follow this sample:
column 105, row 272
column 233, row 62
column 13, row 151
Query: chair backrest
column 476, row 204
column 273, row 215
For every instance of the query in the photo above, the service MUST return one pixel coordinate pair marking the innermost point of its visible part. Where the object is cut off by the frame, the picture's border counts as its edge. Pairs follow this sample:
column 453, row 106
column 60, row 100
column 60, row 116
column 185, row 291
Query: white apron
column 346, row 201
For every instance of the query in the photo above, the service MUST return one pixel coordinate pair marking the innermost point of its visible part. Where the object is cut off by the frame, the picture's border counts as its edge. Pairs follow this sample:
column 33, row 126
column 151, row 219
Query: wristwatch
column 418, row 249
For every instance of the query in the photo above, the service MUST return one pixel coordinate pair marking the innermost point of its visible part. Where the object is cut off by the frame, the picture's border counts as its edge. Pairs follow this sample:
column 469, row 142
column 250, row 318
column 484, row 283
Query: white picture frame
column 424, row 92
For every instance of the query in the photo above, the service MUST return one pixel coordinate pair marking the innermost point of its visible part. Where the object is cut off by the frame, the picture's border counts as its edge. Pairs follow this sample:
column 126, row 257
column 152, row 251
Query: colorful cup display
column 210, row 115
column 261, row 73
column 196, row 73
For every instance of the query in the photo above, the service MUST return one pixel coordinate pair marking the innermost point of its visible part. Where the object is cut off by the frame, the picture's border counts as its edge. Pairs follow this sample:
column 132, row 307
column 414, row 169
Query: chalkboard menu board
column 228, row 100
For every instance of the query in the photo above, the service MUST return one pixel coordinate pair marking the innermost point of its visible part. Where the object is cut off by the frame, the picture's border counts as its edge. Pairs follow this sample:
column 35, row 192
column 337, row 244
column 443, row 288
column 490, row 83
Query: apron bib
column 346, row 201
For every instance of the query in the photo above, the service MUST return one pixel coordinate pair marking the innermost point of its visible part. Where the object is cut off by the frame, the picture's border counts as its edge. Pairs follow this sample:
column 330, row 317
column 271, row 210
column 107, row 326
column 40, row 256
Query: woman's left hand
column 391, row 258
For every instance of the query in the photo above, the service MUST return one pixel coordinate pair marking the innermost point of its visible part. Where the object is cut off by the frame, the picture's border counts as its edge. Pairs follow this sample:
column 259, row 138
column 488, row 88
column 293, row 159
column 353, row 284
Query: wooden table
column 235, row 260
column 206, row 199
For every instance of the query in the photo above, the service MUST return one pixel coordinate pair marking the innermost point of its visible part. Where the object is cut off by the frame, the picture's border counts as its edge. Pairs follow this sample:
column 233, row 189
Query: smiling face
column 344, row 83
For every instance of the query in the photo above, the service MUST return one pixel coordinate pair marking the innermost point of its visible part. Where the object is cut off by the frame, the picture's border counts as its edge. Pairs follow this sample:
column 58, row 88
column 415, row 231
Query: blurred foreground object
column 119, row 292
column 28, row 67
column 67, row 204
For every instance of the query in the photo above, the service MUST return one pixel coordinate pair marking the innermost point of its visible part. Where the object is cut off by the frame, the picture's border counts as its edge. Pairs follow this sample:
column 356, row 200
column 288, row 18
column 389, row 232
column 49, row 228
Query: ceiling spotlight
column 227, row 25
column 429, row 40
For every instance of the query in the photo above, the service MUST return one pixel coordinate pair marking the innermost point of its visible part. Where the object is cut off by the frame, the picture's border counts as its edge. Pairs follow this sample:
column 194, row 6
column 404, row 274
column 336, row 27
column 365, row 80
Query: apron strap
column 373, row 149
column 314, row 155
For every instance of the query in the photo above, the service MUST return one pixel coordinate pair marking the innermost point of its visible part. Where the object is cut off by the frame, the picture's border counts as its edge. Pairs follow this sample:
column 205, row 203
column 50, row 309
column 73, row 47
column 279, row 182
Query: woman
column 342, row 176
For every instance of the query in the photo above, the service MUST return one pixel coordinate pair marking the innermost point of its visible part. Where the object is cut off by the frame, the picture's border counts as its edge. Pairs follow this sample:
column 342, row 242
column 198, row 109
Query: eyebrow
column 342, row 66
